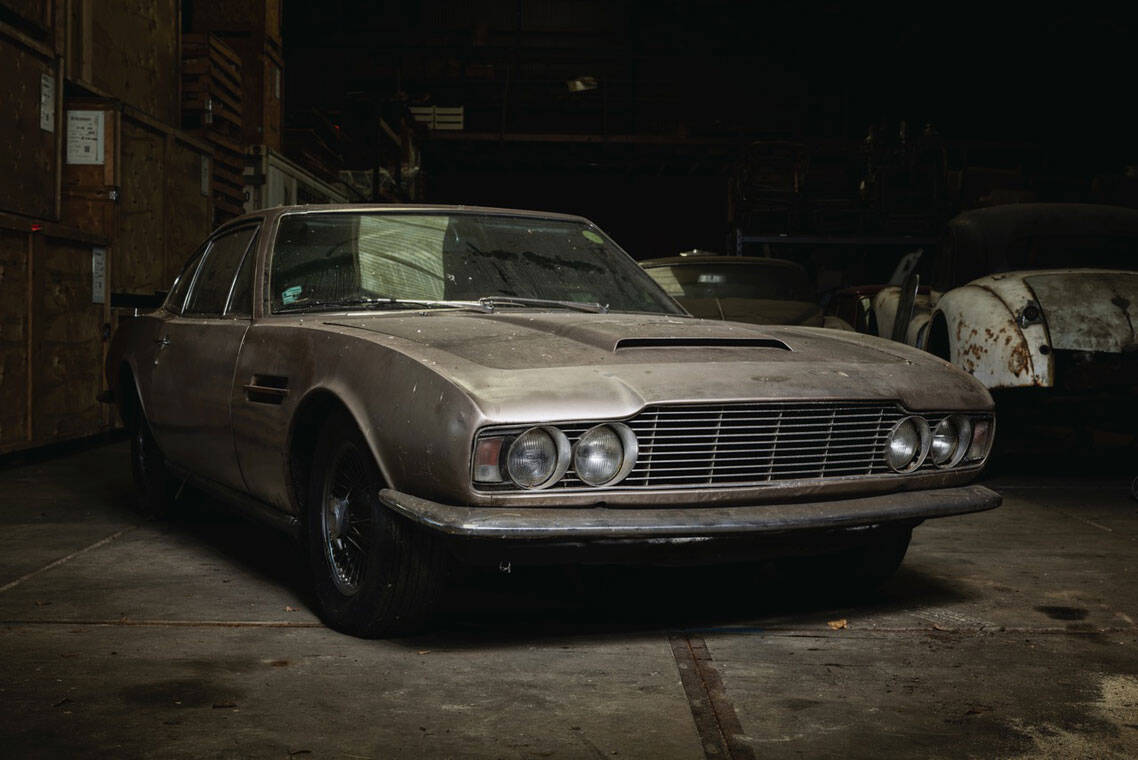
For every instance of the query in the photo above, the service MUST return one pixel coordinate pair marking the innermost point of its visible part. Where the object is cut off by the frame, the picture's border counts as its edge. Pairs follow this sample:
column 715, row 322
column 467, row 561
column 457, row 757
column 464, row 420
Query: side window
column 177, row 297
column 211, row 287
column 241, row 300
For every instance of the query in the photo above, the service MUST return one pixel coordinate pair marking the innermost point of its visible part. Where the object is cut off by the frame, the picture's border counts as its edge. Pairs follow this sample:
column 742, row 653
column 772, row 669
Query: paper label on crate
column 47, row 102
column 98, row 275
column 85, row 137
column 205, row 175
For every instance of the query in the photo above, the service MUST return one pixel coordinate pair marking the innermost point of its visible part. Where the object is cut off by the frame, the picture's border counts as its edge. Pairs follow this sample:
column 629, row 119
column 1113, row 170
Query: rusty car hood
column 614, row 364
column 1085, row 309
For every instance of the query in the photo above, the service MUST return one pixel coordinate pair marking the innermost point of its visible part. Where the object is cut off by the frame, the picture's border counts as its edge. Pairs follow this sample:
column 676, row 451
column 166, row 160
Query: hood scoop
column 699, row 342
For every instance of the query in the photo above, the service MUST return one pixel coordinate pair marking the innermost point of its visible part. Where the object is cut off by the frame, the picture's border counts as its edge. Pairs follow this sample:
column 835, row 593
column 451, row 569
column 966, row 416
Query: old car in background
column 764, row 291
column 401, row 387
column 1033, row 295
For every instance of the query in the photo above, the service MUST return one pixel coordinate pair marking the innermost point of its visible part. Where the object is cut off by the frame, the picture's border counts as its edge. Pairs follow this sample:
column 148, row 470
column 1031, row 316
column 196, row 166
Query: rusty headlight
column 907, row 444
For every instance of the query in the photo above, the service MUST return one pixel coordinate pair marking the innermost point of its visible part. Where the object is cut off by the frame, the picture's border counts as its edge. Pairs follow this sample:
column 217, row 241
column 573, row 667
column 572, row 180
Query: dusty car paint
column 1003, row 328
column 421, row 383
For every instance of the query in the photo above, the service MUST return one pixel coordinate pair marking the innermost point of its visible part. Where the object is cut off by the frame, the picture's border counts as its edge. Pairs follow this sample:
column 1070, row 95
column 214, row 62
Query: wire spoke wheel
column 346, row 520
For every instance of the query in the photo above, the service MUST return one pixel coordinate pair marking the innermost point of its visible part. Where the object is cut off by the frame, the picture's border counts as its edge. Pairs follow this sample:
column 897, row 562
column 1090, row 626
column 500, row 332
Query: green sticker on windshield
column 291, row 294
column 592, row 236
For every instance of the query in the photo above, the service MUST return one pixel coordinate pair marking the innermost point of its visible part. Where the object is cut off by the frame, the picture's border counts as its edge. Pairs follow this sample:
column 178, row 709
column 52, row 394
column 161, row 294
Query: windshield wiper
column 592, row 307
column 384, row 303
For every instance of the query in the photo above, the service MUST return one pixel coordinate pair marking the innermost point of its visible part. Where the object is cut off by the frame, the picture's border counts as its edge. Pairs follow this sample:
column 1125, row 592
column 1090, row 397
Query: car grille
column 747, row 444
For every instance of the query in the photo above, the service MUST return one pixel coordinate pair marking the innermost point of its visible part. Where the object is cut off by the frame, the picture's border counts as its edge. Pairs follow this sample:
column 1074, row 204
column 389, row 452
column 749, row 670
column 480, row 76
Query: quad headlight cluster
column 957, row 439
column 539, row 457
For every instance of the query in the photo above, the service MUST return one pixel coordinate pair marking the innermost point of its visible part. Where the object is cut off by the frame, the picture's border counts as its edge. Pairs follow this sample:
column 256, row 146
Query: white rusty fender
column 975, row 328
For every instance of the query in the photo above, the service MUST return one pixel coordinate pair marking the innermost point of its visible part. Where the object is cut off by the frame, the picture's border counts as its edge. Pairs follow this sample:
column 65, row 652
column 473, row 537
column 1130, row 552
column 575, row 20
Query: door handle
column 162, row 343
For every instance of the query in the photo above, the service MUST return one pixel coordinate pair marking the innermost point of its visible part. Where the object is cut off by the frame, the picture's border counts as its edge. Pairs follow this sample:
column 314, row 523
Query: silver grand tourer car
column 403, row 387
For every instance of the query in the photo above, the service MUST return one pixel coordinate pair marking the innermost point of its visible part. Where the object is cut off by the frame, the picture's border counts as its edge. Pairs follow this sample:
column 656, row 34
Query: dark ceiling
column 721, row 68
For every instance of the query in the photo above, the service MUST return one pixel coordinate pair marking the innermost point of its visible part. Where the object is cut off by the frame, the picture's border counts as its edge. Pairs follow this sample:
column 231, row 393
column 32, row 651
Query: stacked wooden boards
column 213, row 97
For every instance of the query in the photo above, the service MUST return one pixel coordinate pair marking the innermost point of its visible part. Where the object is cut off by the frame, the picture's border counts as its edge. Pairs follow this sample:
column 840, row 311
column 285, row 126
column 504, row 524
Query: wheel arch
column 309, row 418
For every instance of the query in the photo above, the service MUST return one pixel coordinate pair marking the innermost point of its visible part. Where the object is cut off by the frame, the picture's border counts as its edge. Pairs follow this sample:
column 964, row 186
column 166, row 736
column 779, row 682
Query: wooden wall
column 51, row 335
column 67, row 333
column 130, row 50
column 30, row 152
column 14, row 293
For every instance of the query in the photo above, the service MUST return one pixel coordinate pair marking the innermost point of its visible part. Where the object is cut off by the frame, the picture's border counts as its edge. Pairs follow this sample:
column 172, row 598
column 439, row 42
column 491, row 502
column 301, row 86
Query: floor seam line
column 63, row 560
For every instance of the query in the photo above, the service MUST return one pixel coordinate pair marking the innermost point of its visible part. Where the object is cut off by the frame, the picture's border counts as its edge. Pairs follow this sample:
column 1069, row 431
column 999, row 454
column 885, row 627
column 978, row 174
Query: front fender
column 975, row 329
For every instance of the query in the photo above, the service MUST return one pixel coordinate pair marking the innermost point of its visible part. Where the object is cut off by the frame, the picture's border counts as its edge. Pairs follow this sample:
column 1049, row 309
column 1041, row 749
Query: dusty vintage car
column 765, row 291
column 402, row 386
column 1033, row 295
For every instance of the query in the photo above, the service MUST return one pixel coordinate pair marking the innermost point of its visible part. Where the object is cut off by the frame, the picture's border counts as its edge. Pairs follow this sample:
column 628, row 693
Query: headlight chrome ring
column 538, row 457
column 950, row 440
column 907, row 444
column 605, row 454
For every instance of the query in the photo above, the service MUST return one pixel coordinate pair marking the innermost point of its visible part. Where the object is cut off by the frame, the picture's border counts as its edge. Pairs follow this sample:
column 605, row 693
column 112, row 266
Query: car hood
column 568, row 365
column 760, row 311
column 1085, row 309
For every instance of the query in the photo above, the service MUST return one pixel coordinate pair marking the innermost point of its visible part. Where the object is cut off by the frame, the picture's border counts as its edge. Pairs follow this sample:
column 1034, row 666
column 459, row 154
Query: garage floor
column 1006, row 634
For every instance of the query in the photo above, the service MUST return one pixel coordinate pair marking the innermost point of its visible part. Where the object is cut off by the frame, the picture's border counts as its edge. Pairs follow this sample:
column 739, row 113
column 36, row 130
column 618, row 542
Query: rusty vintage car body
column 401, row 386
column 1033, row 295
column 756, row 289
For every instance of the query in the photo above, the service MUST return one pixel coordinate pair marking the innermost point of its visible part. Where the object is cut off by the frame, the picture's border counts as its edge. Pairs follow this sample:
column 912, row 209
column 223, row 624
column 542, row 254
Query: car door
column 192, row 379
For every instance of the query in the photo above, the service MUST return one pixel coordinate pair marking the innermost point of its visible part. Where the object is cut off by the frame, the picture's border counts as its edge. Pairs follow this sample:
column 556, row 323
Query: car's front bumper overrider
column 599, row 522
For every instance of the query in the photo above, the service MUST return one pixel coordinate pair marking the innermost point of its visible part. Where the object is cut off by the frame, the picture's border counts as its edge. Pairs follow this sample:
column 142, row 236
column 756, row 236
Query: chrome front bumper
column 673, row 522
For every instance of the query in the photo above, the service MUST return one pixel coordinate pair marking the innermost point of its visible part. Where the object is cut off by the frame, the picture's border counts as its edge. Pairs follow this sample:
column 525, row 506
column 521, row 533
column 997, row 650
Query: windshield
column 361, row 260
column 1078, row 251
column 754, row 280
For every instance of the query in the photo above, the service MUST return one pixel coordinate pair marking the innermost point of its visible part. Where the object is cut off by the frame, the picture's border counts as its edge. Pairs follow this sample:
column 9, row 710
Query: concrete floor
column 1006, row 634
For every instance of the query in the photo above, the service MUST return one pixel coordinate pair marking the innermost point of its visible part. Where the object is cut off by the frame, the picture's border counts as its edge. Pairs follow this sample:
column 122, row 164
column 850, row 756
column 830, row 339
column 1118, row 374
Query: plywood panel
column 134, row 54
column 30, row 155
column 13, row 336
column 138, row 256
column 37, row 13
column 189, row 219
column 67, row 332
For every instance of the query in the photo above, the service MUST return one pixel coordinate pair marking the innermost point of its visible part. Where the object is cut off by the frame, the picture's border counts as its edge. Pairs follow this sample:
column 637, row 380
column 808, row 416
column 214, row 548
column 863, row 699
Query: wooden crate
column 52, row 334
column 262, row 73
column 30, row 97
column 212, row 91
column 128, row 50
column 150, row 195
column 255, row 17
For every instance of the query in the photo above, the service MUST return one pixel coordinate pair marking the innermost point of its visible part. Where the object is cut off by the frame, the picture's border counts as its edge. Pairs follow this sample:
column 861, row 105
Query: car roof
column 405, row 208
column 997, row 226
column 670, row 261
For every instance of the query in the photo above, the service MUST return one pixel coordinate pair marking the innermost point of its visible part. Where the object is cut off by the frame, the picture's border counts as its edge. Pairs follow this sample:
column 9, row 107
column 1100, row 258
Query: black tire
column 856, row 570
column 375, row 573
column 155, row 487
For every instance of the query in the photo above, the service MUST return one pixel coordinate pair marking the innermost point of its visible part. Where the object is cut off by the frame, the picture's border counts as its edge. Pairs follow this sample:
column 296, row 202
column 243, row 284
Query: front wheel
column 375, row 573
column 856, row 570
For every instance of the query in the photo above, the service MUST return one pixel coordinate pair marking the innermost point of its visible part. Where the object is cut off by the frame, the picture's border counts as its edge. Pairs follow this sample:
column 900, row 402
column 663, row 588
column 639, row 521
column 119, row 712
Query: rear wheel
column 155, row 487
column 375, row 572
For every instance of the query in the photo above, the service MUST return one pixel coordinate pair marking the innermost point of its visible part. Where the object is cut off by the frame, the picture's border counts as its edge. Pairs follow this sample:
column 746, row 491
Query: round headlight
column 537, row 457
column 604, row 454
column 951, row 438
column 907, row 444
